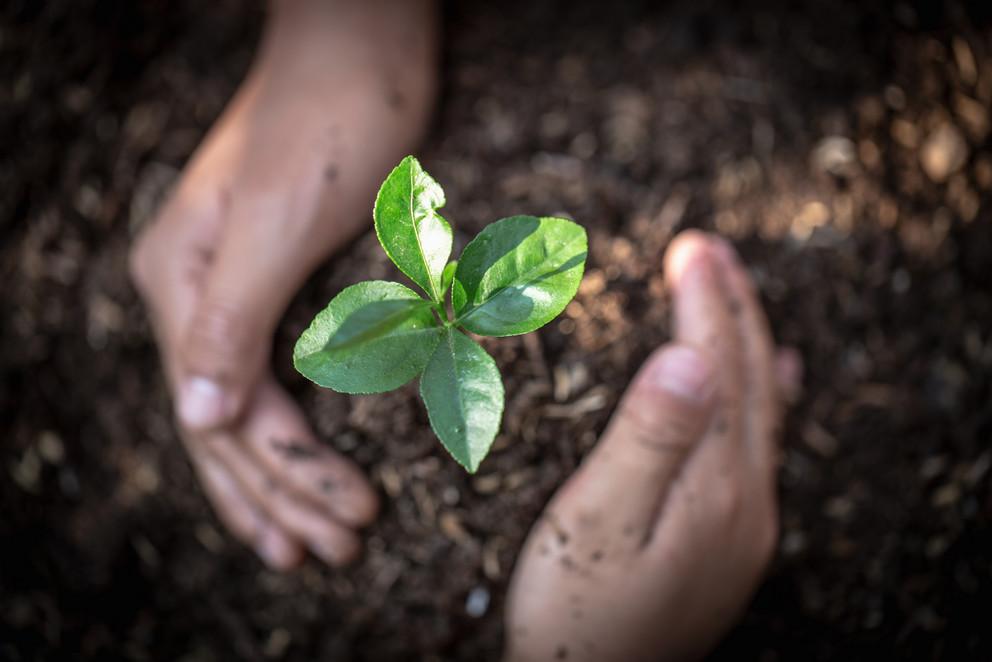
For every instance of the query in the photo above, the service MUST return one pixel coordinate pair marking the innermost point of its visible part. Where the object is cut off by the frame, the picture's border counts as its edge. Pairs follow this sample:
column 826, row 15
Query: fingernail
column 274, row 549
column 698, row 264
column 684, row 373
column 683, row 250
column 201, row 403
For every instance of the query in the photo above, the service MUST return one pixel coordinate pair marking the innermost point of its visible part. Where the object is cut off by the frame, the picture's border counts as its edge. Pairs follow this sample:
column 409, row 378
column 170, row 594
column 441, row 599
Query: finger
column 255, row 272
column 704, row 319
column 762, row 407
column 789, row 373
column 283, row 443
column 661, row 418
column 168, row 263
column 245, row 522
column 331, row 541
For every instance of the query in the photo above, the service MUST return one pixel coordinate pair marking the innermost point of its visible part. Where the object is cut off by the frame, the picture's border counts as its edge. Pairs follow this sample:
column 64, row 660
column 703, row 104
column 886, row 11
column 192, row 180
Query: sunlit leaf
column 518, row 274
column 415, row 237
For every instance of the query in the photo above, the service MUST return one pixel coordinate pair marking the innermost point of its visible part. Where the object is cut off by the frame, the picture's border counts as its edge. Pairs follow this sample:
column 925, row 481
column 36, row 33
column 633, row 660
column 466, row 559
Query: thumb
column 663, row 415
column 229, row 338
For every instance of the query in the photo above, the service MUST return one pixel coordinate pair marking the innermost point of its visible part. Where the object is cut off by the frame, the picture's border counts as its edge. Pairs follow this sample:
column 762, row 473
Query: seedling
column 517, row 275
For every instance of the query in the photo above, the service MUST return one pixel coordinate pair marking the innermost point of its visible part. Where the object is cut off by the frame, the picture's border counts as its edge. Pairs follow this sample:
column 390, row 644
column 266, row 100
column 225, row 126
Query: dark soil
column 794, row 128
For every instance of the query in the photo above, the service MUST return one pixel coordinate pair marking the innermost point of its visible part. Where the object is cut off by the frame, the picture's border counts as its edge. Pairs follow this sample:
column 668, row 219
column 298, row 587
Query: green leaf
column 373, row 321
column 518, row 274
column 448, row 276
column 463, row 392
column 415, row 237
column 372, row 337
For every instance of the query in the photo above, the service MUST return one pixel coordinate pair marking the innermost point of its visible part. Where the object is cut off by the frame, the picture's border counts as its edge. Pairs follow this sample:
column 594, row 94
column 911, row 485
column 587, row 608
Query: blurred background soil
column 843, row 146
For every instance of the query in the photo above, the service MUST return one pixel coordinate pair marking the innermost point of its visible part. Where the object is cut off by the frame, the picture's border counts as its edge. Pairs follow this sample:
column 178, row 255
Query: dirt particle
column 596, row 556
column 560, row 532
column 944, row 152
column 837, row 156
column 204, row 254
column 589, row 519
column 561, row 653
column 330, row 172
column 477, row 602
column 327, row 486
column 294, row 450
column 395, row 98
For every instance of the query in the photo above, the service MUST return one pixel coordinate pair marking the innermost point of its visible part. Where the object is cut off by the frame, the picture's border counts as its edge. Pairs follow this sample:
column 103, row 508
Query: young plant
column 517, row 275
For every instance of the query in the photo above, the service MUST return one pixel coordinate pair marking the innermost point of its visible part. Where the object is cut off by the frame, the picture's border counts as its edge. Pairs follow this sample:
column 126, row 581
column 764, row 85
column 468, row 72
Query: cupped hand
column 652, row 549
column 286, row 175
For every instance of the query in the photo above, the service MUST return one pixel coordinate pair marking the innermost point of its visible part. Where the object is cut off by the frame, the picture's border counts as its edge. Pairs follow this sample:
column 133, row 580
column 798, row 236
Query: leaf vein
column 420, row 244
column 458, row 392
column 527, row 279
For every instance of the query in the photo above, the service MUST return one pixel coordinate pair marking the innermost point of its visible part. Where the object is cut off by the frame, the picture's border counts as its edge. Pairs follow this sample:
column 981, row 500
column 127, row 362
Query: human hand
column 652, row 549
column 287, row 174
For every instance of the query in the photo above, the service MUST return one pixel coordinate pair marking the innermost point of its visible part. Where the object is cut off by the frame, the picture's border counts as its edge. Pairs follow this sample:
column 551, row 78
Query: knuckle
column 666, row 428
column 663, row 441
column 219, row 328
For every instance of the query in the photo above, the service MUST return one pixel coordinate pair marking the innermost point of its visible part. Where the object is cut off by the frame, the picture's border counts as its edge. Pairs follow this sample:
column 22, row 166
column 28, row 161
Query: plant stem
column 441, row 313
